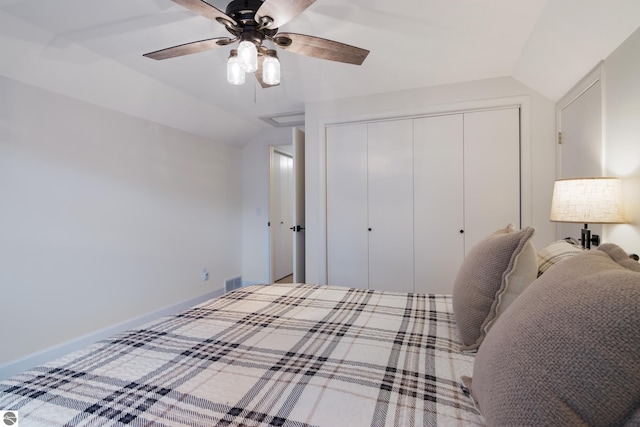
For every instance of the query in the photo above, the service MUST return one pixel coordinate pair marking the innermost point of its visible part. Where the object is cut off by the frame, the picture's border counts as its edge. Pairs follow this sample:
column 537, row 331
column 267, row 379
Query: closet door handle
column 461, row 231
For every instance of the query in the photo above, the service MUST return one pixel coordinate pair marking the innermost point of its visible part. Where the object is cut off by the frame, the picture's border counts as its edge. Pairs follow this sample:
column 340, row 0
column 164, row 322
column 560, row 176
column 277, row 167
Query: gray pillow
column 567, row 351
column 493, row 273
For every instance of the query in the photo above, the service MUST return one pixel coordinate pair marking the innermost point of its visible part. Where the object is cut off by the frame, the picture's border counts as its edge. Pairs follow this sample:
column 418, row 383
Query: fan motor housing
column 244, row 11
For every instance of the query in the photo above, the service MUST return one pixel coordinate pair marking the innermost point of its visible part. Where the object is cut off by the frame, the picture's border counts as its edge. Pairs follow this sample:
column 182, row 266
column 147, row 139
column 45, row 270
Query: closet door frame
column 520, row 101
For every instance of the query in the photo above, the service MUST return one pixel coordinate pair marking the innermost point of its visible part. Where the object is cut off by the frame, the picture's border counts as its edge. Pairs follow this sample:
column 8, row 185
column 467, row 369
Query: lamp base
column 586, row 239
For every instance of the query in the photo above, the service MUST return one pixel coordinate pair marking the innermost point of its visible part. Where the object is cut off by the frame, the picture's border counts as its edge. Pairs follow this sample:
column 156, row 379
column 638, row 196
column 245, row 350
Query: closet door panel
column 390, row 152
column 438, row 202
column 491, row 172
column 347, row 235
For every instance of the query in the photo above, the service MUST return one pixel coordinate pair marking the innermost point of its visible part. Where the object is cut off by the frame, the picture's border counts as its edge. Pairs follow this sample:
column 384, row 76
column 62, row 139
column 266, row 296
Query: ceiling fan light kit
column 271, row 68
column 248, row 55
column 252, row 22
column 235, row 72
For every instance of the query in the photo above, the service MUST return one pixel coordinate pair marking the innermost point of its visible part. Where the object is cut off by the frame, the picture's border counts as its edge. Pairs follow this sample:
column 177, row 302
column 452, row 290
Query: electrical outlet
column 205, row 274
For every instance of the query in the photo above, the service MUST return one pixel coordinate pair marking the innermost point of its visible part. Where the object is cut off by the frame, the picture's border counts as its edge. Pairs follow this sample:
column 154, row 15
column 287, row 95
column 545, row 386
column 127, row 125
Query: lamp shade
column 588, row 201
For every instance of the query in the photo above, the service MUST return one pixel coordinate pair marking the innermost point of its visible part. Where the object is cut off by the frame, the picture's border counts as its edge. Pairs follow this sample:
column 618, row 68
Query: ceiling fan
column 251, row 22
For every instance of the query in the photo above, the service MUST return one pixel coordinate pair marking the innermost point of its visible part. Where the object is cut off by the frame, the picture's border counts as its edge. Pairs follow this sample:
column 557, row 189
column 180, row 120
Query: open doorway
column 286, row 211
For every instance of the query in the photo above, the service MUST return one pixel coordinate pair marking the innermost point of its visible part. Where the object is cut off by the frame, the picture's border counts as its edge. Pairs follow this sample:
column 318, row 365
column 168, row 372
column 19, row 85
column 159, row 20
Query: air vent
column 285, row 119
column 232, row 284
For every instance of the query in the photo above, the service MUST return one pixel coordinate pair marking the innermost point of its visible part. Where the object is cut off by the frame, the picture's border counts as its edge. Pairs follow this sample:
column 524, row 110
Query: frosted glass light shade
column 271, row 70
column 235, row 72
column 248, row 55
column 588, row 201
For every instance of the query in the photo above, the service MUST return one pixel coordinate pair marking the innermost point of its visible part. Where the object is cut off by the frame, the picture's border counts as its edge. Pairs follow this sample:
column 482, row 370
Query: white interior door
column 282, row 215
column 390, row 173
column 581, row 150
column 347, row 235
column 298, row 207
column 491, row 172
column 438, row 202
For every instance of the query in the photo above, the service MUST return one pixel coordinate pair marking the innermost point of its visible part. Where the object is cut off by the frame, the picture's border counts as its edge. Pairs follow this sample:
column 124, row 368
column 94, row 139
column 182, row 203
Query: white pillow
column 556, row 252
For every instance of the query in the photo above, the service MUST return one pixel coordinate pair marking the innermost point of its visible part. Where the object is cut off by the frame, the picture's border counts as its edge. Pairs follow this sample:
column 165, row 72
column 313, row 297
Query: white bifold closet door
column 390, row 226
column 467, row 185
column 491, row 173
column 347, row 206
column 407, row 199
column 370, row 205
column 439, row 202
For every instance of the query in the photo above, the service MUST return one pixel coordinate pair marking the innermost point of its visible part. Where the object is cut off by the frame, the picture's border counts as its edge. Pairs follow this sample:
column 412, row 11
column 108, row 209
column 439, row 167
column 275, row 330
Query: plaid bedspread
column 264, row 355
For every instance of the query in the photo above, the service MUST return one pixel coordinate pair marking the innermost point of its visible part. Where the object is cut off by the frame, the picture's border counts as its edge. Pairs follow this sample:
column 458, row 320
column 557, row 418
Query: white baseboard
column 246, row 283
column 38, row 358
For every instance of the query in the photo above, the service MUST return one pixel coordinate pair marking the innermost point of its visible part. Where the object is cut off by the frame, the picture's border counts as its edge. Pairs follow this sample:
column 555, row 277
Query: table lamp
column 588, row 201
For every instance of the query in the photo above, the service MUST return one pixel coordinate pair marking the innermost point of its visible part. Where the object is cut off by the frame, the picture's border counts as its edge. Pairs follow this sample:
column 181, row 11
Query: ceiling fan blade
column 203, row 8
column 258, row 74
column 320, row 48
column 282, row 11
column 189, row 48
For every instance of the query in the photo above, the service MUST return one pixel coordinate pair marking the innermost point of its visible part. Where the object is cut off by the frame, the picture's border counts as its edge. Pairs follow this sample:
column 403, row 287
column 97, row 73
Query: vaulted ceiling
column 92, row 50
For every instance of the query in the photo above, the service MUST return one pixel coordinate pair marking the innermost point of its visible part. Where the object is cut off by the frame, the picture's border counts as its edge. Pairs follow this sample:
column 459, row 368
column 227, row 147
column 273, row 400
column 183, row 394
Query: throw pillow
column 554, row 253
column 493, row 273
column 566, row 352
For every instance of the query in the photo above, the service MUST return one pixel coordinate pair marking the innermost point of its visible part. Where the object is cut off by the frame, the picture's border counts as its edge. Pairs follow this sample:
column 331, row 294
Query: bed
column 526, row 339
column 264, row 355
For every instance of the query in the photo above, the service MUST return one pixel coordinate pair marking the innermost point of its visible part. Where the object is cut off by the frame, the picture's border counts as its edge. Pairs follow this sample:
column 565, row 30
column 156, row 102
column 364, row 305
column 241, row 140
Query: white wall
column 255, row 203
column 37, row 57
column 622, row 136
column 105, row 217
column 538, row 165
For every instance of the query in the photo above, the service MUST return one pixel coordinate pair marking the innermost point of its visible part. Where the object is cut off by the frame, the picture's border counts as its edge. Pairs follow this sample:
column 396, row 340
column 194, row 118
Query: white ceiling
column 92, row 50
